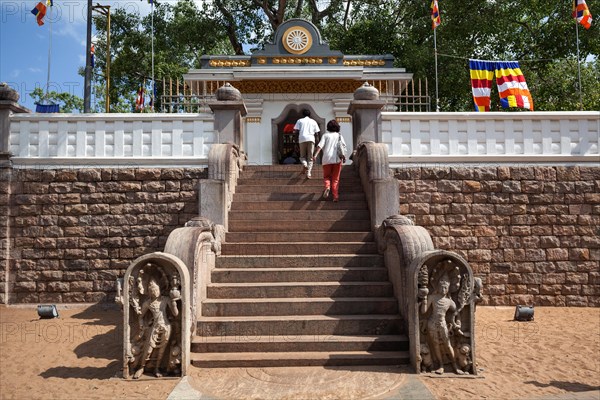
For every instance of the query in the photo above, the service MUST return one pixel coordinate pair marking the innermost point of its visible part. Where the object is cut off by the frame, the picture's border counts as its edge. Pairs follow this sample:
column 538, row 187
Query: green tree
column 182, row 34
column 540, row 33
column 252, row 22
column 68, row 102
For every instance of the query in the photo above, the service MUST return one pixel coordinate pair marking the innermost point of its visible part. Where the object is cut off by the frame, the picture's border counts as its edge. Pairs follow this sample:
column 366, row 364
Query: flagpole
column 87, row 83
column 49, row 52
column 578, row 66
column 437, row 98
column 152, row 95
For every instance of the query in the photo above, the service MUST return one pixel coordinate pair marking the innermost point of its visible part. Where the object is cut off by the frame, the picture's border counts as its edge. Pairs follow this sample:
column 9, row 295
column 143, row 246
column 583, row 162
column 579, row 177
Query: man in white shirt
column 306, row 128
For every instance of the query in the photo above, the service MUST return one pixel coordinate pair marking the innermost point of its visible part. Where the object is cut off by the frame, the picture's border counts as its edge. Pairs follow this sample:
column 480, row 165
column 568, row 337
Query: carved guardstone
column 156, row 303
column 445, row 294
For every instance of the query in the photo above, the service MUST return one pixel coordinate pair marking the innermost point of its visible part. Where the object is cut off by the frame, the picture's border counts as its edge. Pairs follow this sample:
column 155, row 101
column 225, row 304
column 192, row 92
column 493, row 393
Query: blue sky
column 24, row 45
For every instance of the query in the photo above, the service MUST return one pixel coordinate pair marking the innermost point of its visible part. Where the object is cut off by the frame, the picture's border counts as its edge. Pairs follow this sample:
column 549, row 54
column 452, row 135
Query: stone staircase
column 299, row 281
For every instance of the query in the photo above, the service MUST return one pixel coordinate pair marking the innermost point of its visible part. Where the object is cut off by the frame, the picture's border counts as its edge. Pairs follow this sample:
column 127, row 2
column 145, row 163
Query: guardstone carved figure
column 155, row 342
column 443, row 293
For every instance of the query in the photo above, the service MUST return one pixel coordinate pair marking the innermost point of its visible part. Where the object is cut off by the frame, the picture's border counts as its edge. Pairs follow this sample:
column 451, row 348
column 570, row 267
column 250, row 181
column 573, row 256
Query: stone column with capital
column 9, row 105
column 365, row 110
column 229, row 108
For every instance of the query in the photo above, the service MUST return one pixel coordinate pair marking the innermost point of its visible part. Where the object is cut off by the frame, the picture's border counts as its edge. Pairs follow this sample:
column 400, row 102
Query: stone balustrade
column 111, row 139
column 492, row 137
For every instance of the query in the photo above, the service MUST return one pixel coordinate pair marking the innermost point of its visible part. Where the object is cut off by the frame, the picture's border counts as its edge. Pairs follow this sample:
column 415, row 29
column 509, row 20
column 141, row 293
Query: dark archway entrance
column 284, row 141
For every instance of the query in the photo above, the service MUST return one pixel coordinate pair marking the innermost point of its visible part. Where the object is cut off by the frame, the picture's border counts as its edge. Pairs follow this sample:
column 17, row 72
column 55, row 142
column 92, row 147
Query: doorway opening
column 285, row 142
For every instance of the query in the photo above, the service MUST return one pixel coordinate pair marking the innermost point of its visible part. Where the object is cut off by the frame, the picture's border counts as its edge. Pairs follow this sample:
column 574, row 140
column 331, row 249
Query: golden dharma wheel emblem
column 297, row 40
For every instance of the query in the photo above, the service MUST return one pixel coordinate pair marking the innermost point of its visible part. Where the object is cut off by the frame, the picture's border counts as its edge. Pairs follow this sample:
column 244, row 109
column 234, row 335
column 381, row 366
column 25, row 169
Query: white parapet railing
column 111, row 140
column 492, row 137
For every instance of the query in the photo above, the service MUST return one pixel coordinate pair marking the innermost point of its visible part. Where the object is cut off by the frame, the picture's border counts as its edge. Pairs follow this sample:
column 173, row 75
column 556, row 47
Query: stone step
column 296, row 180
column 299, row 306
column 325, row 274
column 298, row 359
column 300, row 215
column 290, row 248
column 290, row 171
column 297, row 196
column 299, row 289
column 301, row 261
column 236, row 237
column 297, row 205
column 254, row 225
column 292, row 325
column 310, row 343
column 310, row 186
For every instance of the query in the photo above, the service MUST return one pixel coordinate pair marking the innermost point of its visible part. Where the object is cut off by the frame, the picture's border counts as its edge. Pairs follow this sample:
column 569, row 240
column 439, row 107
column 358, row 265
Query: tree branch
column 346, row 14
column 318, row 16
column 281, row 11
column 298, row 11
column 230, row 28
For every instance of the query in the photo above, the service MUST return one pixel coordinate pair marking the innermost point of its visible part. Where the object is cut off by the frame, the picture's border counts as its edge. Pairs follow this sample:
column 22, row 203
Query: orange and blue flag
column 40, row 12
column 435, row 14
column 582, row 13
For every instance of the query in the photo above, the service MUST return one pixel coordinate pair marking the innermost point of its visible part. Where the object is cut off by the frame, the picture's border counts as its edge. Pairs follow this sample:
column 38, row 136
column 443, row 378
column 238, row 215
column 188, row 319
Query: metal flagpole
column 152, row 95
column 578, row 66
column 87, row 86
column 437, row 98
column 49, row 52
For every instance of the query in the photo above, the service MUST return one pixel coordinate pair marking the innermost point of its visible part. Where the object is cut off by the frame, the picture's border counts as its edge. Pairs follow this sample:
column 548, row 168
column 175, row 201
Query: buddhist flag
column 482, row 76
column 140, row 99
column 93, row 55
column 435, row 14
column 40, row 12
column 49, row 3
column 512, row 87
column 582, row 13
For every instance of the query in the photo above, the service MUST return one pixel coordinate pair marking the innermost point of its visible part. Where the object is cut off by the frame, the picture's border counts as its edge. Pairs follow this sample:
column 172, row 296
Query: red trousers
column 331, row 177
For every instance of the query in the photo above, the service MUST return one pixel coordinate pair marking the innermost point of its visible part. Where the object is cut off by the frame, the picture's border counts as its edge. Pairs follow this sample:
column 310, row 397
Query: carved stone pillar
column 365, row 110
column 229, row 110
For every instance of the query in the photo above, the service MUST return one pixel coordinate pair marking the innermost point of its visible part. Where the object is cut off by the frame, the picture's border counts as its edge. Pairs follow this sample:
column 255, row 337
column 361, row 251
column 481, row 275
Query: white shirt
column 328, row 145
column 307, row 127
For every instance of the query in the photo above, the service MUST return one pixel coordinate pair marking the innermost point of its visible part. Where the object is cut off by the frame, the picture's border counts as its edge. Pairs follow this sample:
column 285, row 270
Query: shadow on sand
column 102, row 334
column 566, row 386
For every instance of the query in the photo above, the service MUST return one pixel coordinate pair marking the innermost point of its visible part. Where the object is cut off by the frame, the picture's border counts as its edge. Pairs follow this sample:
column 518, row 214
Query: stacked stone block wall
column 74, row 231
column 531, row 233
column 5, row 239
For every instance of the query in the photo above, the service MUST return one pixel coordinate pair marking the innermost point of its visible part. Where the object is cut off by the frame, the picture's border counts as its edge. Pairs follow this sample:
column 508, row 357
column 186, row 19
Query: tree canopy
column 538, row 33
column 68, row 102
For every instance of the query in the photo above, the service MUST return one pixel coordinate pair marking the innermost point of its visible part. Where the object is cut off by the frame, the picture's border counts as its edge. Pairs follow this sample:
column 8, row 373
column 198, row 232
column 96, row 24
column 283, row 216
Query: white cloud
column 15, row 73
column 74, row 31
column 34, row 69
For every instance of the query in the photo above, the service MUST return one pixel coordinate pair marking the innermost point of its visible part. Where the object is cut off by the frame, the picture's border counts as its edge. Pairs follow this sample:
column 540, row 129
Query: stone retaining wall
column 74, row 231
column 531, row 233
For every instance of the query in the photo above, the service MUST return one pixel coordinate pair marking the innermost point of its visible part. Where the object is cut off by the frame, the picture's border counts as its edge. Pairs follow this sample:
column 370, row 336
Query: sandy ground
column 78, row 356
column 557, row 353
